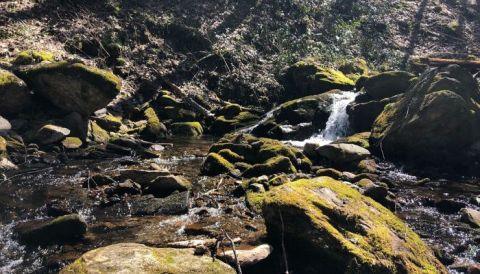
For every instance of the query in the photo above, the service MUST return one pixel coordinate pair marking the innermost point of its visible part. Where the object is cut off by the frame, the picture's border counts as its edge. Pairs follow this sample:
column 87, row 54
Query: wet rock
column 97, row 134
column 50, row 134
column 58, row 208
column 344, row 231
column 63, row 229
column 14, row 94
column 72, row 143
column 72, row 87
column 98, row 180
column 138, row 258
column 187, row 128
column 215, row 164
column 388, row 84
column 448, row 206
column 441, row 114
column 367, row 166
column 247, row 257
column 471, row 216
column 141, row 176
column 164, row 185
column 5, row 125
column 308, row 78
column 154, row 128
column 6, row 164
column 342, row 153
column 175, row 204
column 128, row 187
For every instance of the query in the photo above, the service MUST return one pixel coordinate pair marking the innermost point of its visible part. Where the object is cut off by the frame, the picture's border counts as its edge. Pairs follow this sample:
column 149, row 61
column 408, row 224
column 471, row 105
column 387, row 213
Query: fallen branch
column 437, row 62
column 188, row 99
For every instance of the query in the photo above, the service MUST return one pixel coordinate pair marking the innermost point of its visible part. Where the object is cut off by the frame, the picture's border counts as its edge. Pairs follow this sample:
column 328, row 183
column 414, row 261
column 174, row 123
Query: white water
column 337, row 124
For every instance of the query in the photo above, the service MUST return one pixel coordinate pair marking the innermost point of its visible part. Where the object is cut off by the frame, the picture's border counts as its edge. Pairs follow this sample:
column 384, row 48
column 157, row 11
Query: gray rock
column 163, row 186
column 141, row 176
column 50, row 134
column 5, row 125
column 471, row 216
column 174, row 204
column 343, row 153
column 247, row 257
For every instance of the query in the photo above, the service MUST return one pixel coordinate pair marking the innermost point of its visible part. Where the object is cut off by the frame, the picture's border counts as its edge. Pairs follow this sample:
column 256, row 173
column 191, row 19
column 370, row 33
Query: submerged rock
column 138, row 258
column 14, row 94
column 148, row 205
column 63, row 229
column 341, row 231
column 72, row 87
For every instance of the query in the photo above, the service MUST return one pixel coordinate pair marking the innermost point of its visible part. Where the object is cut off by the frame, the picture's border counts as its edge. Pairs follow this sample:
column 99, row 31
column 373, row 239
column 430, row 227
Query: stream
column 29, row 193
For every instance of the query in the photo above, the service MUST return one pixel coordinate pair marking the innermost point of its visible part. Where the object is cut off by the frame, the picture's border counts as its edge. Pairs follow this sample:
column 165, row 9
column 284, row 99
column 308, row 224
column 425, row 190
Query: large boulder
column 388, row 84
column 435, row 123
column 339, row 230
column 362, row 115
column 342, row 153
column 309, row 78
column 231, row 117
column 14, row 94
column 72, row 87
column 138, row 258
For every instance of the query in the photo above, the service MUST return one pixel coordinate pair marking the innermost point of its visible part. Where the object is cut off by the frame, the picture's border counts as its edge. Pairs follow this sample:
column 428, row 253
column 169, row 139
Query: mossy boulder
column 14, row 94
column 72, row 87
column 388, row 84
column 97, row 133
column 30, row 57
column 431, row 126
column 72, row 143
column 297, row 119
column 154, row 129
column 360, row 139
column 110, row 122
column 177, row 114
column 215, row 164
column 187, row 128
column 50, row 134
column 231, row 156
column 63, row 229
column 341, row 231
column 309, row 78
column 355, row 68
column 138, row 258
column 362, row 115
column 225, row 124
column 259, row 156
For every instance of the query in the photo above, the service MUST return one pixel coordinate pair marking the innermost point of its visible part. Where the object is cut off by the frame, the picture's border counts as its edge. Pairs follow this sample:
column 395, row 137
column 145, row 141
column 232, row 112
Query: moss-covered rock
column 388, row 84
column 97, row 133
column 177, row 114
column 14, row 94
column 72, row 143
column 30, row 57
column 72, row 87
column 215, row 164
column 225, row 124
column 187, row 128
column 356, row 68
column 154, row 129
column 431, row 126
column 138, row 258
column 262, row 155
column 341, row 231
column 308, row 78
column 361, row 115
column 360, row 139
column 110, row 122
column 231, row 156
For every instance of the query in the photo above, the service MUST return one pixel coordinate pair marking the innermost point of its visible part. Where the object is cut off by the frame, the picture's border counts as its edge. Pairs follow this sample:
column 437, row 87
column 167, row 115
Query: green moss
column 72, row 143
column 167, row 101
column 231, row 156
column 3, row 146
column 154, row 126
column 215, row 164
column 187, row 128
column 29, row 57
column 272, row 166
column 360, row 233
column 97, row 133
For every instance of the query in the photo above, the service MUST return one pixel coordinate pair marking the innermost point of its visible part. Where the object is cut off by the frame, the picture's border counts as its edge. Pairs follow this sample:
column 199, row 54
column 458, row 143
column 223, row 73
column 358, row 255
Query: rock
column 329, row 172
column 63, row 229
column 231, row 156
column 259, row 188
column 128, row 187
column 342, row 153
column 163, row 186
column 72, row 143
column 359, row 139
column 308, row 78
column 448, row 206
column 30, row 57
column 175, row 204
column 97, row 134
column 362, row 115
column 215, row 164
column 343, row 231
column 77, row 124
column 297, row 119
column 14, row 94
column 6, row 164
column 187, row 128
column 247, row 257
column 5, row 125
column 471, row 216
column 138, row 258
column 3, row 146
column 50, row 134
column 388, row 84
column 367, row 166
column 178, row 114
column 109, row 122
column 154, row 129
column 357, row 67
column 72, row 87
column 141, row 176
column 231, row 117
column 443, row 119
column 98, row 180
column 275, row 165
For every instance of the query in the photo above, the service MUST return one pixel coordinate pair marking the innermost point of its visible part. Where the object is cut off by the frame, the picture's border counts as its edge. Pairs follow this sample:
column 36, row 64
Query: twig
column 239, row 268
column 283, row 243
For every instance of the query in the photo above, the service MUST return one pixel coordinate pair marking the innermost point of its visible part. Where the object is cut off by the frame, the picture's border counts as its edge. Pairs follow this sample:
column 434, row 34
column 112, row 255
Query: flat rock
column 175, row 204
column 141, row 176
column 343, row 153
column 247, row 257
column 50, row 134
column 138, row 258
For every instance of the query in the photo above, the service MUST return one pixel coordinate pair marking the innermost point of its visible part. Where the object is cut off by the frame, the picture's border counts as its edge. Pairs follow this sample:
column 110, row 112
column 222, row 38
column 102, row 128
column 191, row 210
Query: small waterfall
column 337, row 124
